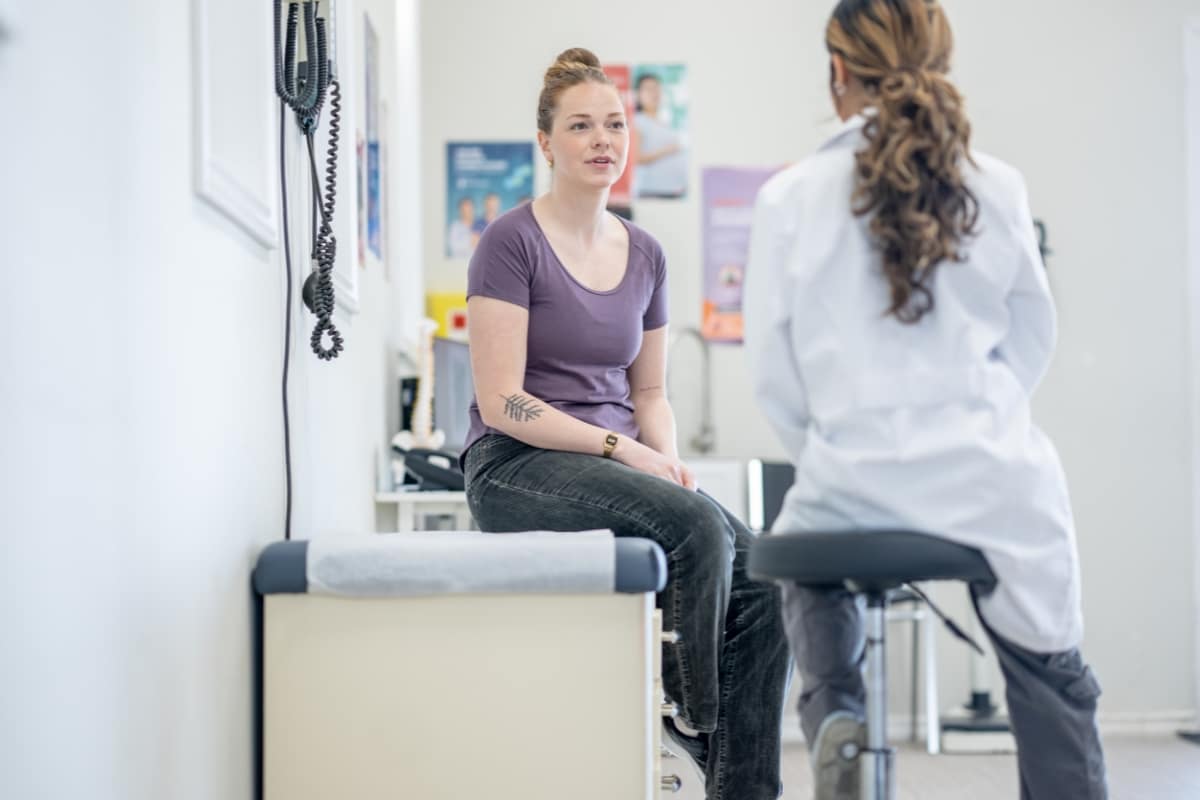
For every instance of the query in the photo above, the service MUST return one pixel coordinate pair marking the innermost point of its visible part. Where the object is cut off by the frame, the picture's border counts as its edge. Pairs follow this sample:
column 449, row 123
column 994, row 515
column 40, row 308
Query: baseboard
column 982, row 743
column 1142, row 723
column 1112, row 723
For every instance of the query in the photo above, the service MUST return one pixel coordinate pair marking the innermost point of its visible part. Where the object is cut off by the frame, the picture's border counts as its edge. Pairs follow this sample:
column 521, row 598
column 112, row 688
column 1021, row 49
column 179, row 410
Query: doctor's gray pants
column 1051, row 697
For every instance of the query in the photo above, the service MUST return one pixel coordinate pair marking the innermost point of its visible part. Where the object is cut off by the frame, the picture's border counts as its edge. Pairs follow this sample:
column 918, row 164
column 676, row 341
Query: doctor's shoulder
column 816, row 178
column 998, row 186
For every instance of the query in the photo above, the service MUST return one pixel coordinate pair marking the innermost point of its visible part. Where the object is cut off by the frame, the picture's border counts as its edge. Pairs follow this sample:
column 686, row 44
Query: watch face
column 610, row 440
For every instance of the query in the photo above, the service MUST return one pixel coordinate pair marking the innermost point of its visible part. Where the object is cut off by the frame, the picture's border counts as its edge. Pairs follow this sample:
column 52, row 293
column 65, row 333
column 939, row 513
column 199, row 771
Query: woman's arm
column 1033, row 328
column 650, row 156
column 498, row 337
column 651, row 409
column 647, row 388
column 767, row 297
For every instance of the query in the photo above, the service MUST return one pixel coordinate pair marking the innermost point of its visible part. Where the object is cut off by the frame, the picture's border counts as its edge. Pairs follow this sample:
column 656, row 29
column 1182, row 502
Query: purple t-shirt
column 580, row 342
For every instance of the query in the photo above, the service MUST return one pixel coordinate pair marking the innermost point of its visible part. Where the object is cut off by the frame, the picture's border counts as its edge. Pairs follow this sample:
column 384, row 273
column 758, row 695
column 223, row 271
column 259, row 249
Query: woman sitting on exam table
column 898, row 320
column 571, row 429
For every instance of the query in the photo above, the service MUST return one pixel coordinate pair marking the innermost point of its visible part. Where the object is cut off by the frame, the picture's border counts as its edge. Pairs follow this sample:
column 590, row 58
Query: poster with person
column 620, row 196
column 660, row 123
column 483, row 180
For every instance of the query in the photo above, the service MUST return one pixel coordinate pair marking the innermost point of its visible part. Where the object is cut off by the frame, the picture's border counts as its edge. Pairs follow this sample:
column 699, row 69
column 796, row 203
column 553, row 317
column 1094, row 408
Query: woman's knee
column 698, row 527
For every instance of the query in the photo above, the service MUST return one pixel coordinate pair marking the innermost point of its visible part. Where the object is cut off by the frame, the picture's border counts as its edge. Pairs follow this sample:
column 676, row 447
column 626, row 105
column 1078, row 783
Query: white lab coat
column 922, row 426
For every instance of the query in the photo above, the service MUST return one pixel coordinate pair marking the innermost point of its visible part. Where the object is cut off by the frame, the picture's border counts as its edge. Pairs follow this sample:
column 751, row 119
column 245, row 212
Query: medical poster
column 360, row 153
column 620, row 197
column 483, row 180
column 660, row 123
column 374, row 190
column 727, row 203
column 383, row 188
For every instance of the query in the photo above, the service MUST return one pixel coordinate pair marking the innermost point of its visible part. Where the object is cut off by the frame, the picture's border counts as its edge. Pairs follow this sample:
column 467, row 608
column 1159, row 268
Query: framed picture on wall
column 483, row 180
column 371, row 99
column 660, row 122
column 728, row 207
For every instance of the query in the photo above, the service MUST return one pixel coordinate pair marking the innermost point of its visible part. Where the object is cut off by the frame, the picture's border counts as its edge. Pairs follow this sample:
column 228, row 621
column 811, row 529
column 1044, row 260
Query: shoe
column 692, row 749
column 835, row 757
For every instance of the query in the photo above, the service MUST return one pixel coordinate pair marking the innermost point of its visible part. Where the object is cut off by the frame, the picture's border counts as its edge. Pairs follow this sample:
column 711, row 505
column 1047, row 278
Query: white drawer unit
column 538, row 693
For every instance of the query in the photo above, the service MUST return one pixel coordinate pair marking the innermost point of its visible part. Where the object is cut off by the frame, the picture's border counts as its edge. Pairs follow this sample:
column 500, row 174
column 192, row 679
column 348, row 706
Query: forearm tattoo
column 520, row 408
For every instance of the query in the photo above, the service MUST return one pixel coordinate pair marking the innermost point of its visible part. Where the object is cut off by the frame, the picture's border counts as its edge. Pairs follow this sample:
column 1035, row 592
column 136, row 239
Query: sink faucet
column 706, row 437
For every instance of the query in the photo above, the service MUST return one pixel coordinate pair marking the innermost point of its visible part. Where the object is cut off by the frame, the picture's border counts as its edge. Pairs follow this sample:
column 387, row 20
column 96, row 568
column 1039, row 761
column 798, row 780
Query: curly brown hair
column 571, row 68
column 909, row 176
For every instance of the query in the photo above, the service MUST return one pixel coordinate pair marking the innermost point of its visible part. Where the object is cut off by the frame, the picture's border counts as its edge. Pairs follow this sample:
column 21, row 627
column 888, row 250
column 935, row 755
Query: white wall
column 1192, row 59
column 1085, row 97
column 142, row 460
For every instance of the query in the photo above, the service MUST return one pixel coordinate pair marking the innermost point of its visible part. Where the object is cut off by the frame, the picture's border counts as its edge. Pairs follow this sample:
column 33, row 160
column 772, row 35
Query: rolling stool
column 871, row 563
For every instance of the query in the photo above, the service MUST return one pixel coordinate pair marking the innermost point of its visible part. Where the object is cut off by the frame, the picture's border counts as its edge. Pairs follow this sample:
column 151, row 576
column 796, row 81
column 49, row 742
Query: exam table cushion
column 469, row 562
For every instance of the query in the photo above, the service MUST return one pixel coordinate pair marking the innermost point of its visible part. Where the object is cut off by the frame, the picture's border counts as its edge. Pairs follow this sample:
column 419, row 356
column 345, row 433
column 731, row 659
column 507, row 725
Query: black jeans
column 728, row 674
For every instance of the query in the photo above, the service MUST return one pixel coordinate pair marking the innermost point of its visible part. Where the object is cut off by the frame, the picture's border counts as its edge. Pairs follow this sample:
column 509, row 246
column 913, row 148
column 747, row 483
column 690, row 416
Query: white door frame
column 1192, row 146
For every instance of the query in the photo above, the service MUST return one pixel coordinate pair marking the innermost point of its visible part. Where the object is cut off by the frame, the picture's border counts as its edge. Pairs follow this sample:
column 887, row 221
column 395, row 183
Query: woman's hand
column 645, row 459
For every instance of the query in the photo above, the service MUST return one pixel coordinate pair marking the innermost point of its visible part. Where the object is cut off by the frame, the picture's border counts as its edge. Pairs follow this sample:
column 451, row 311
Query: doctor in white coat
column 898, row 319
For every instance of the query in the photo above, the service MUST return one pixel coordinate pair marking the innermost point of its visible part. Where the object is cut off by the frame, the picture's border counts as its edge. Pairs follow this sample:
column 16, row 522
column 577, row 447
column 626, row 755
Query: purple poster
column 728, row 195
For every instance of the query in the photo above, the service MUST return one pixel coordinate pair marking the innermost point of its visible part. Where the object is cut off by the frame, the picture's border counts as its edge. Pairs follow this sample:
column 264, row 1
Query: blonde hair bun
column 576, row 56
column 572, row 67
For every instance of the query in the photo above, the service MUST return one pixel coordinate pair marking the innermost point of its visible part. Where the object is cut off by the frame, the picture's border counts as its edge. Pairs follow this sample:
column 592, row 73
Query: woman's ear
column 544, row 146
column 837, row 69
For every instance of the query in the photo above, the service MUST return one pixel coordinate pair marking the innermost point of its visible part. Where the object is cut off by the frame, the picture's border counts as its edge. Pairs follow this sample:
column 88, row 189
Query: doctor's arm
column 1029, row 344
column 775, row 375
column 498, row 338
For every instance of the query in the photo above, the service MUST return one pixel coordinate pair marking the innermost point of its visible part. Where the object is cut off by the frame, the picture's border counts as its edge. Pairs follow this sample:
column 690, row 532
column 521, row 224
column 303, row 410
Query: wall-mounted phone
column 302, row 85
column 305, row 74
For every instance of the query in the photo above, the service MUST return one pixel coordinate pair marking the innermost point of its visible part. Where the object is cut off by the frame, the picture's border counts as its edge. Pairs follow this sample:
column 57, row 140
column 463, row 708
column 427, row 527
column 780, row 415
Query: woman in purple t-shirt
column 571, row 428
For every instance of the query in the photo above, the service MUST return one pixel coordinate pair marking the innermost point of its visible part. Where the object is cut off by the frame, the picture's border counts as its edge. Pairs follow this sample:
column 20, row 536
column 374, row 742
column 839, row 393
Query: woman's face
column 589, row 142
column 649, row 94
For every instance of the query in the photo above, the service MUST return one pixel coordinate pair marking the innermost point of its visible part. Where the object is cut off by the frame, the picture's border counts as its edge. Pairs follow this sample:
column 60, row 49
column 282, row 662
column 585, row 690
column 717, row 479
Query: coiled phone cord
column 325, row 243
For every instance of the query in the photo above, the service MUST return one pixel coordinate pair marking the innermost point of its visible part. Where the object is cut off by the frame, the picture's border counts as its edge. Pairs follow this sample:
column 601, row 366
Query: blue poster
column 373, row 204
column 371, row 84
column 483, row 180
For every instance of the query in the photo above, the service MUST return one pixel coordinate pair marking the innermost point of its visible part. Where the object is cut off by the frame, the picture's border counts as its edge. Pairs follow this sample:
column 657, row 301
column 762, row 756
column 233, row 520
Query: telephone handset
column 433, row 470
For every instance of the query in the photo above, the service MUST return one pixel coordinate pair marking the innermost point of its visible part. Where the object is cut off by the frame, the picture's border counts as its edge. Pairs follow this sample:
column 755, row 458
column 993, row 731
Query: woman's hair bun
column 571, row 68
column 577, row 55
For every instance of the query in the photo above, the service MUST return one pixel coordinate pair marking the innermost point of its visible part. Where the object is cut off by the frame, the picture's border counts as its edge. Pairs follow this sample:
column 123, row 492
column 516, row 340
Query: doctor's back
column 896, row 362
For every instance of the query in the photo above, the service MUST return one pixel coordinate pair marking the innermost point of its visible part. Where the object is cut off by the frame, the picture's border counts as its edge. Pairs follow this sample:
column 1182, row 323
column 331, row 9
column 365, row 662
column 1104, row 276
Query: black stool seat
column 870, row 561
